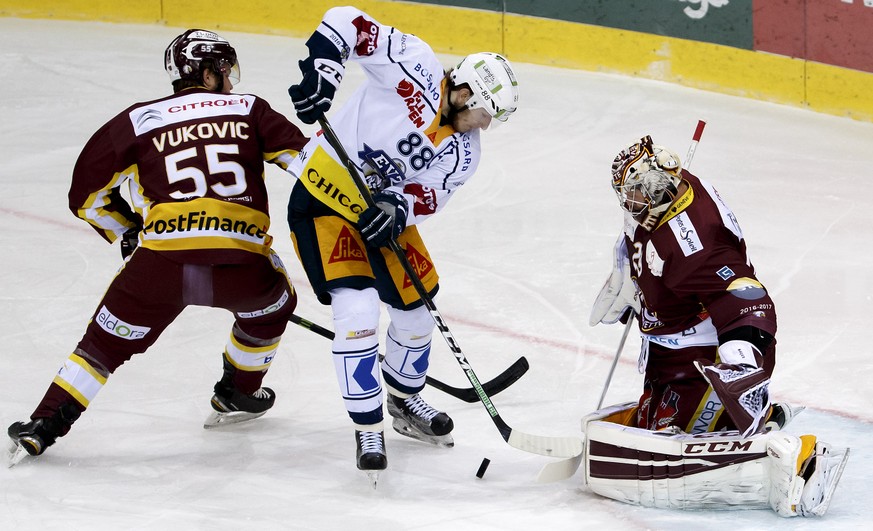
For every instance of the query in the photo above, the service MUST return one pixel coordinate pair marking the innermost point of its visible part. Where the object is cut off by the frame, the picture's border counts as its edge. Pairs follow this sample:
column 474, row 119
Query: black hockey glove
column 129, row 241
column 384, row 222
column 322, row 75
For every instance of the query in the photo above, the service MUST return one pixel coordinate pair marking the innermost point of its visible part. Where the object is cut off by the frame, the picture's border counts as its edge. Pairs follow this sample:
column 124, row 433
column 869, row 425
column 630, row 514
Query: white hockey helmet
column 492, row 82
column 645, row 178
column 184, row 55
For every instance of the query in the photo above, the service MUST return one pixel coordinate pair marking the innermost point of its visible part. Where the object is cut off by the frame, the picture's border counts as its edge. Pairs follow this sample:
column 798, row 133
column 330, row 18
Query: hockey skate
column 25, row 440
column 33, row 437
column 370, row 454
column 414, row 418
column 233, row 407
column 780, row 415
column 822, row 472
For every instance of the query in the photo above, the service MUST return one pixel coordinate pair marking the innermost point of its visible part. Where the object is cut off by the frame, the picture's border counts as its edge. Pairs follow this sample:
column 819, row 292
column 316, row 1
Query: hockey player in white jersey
column 413, row 130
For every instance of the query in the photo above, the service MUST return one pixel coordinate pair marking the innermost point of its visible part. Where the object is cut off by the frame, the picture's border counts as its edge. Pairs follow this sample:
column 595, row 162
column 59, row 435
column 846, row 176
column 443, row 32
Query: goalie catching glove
column 322, row 75
column 619, row 294
column 383, row 222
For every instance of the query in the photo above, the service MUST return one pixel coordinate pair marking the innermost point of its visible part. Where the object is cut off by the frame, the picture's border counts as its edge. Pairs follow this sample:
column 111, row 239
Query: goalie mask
column 192, row 51
column 645, row 177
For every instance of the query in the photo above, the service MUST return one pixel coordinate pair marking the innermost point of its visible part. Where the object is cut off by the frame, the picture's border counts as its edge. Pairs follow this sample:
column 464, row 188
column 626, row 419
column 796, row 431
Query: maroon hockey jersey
column 194, row 164
column 694, row 265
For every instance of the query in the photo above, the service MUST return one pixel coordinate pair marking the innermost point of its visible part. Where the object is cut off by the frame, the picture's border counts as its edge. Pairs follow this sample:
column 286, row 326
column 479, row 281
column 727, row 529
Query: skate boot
column 32, row 438
column 780, row 415
column 233, row 407
column 414, row 418
column 370, row 454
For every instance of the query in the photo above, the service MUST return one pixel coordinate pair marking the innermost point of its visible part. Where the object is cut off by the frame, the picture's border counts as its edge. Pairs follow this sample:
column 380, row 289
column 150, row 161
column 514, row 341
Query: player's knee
column 355, row 309
column 410, row 324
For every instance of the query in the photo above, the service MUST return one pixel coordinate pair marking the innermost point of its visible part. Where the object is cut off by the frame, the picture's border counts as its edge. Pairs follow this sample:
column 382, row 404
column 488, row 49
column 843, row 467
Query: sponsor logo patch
column 346, row 248
column 264, row 311
column 685, row 234
column 368, row 36
column 418, row 261
column 118, row 328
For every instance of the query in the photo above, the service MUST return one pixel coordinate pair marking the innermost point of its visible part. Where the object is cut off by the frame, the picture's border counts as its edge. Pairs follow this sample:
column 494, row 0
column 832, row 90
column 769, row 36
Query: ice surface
column 522, row 252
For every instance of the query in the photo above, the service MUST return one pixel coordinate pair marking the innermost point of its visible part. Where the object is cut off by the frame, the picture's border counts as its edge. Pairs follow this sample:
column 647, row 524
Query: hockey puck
column 483, row 467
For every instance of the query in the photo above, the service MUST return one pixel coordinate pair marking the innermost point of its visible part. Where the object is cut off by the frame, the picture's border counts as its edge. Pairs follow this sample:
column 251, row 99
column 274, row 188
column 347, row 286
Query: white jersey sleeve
column 395, row 113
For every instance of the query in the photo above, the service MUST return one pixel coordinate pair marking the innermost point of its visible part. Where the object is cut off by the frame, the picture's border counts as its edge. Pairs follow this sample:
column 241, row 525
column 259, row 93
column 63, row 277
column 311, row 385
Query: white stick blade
column 548, row 446
column 559, row 470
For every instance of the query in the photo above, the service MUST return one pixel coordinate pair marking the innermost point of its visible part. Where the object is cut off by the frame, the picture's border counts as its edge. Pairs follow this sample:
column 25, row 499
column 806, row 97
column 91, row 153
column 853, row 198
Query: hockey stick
column 565, row 468
column 492, row 387
column 627, row 328
column 537, row 444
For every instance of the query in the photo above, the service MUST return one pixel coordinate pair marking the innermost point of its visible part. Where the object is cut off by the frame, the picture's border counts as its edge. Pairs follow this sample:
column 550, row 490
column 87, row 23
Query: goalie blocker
column 794, row 476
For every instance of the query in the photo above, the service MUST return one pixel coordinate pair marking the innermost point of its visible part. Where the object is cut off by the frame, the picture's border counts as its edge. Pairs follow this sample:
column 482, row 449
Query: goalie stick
column 565, row 468
column 537, row 444
column 492, row 387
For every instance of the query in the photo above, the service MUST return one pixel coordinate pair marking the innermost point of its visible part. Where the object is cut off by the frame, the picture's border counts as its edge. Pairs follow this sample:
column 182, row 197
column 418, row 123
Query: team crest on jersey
column 346, row 248
column 725, row 273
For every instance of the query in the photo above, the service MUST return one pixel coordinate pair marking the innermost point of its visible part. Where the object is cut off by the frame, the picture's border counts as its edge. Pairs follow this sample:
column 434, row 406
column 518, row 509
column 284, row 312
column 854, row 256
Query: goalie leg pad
column 804, row 474
column 675, row 470
column 794, row 476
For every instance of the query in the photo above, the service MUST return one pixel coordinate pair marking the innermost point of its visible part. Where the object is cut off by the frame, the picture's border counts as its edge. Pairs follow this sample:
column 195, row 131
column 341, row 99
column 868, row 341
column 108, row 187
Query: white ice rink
column 522, row 252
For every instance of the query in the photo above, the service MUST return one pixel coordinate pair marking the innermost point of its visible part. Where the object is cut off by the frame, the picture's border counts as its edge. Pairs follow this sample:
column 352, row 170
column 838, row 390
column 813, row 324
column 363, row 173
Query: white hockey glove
column 619, row 293
column 741, row 383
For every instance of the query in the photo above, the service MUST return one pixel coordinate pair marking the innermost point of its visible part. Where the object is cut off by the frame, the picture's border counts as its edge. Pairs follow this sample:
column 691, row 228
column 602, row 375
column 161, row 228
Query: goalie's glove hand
column 314, row 95
column 385, row 221
column 129, row 241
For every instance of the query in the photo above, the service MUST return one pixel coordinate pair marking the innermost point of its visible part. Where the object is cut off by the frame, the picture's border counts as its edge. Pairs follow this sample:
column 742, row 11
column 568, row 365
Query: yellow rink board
column 757, row 75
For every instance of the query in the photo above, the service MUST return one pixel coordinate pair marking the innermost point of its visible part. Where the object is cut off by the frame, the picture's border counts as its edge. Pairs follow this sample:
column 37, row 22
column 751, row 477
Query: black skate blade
column 217, row 419
column 406, row 429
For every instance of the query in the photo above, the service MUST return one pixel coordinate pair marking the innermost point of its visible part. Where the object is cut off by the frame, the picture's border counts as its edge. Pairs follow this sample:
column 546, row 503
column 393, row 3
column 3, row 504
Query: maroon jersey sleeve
column 696, row 265
column 94, row 194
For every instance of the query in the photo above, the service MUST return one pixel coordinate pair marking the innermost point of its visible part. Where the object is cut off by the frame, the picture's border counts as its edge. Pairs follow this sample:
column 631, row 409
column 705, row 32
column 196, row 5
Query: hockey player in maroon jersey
column 698, row 297
column 194, row 233
column 708, row 328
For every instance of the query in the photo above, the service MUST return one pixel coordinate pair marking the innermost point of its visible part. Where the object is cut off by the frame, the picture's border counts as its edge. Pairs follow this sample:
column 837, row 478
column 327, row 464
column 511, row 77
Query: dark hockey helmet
column 645, row 177
column 186, row 55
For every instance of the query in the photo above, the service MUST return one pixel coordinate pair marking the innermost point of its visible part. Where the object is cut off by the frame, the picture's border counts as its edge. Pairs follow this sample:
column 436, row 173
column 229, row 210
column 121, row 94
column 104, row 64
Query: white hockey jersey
column 395, row 113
